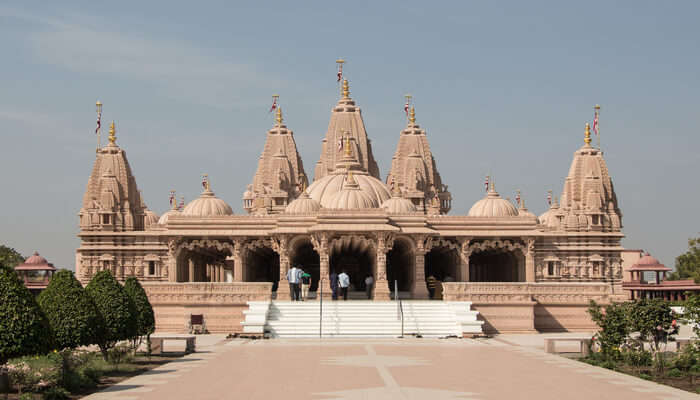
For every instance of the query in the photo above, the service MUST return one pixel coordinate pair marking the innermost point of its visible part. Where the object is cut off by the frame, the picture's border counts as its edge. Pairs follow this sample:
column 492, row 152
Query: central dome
column 207, row 205
column 372, row 191
column 493, row 205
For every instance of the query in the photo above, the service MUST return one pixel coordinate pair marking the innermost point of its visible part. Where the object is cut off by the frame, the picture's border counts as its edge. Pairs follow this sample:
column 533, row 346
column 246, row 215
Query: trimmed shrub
column 116, row 308
column 24, row 329
column 145, row 319
column 71, row 312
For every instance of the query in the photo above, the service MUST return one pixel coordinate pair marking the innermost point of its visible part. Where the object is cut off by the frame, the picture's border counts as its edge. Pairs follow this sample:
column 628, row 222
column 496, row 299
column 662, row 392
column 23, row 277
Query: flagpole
column 597, row 113
column 98, row 104
column 340, row 63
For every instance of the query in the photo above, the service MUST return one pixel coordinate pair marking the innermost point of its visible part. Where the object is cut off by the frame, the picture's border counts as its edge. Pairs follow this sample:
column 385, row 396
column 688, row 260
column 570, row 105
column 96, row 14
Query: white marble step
column 362, row 318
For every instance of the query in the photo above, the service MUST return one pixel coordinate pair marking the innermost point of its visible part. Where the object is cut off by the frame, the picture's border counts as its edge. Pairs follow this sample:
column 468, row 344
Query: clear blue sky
column 504, row 87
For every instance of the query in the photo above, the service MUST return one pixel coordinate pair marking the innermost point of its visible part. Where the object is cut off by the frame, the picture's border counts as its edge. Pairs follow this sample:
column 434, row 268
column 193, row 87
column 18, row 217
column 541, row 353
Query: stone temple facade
column 521, row 272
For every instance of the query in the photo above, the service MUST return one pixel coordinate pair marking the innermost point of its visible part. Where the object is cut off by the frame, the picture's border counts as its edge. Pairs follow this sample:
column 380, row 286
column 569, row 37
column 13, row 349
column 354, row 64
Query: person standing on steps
column 344, row 282
column 334, row 285
column 305, row 283
column 432, row 283
column 293, row 278
column 369, row 283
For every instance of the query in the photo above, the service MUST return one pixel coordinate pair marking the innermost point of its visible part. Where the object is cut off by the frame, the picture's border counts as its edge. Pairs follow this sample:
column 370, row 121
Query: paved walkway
column 506, row 367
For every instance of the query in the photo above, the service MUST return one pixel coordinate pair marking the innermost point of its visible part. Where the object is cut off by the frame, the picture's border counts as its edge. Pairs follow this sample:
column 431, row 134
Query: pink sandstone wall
column 520, row 307
column 222, row 304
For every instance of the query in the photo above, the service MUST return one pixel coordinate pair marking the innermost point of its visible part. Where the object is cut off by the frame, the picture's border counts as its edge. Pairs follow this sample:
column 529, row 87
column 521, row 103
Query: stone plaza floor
column 504, row 367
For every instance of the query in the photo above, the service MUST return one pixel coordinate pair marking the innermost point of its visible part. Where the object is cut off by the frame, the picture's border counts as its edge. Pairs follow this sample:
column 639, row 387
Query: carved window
column 550, row 268
column 151, row 268
column 105, row 219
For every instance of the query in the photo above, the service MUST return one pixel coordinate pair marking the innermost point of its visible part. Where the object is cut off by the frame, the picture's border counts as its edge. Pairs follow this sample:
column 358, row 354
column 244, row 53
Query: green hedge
column 116, row 308
column 24, row 329
column 71, row 312
column 145, row 321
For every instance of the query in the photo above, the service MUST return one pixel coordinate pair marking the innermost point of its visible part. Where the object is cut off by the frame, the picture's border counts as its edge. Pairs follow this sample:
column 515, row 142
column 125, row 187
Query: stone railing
column 522, row 292
column 206, row 293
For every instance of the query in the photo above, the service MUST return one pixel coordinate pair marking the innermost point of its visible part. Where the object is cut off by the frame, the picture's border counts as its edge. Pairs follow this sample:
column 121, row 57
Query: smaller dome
column 524, row 212
column 571, row 222
column 351, row 196
column 248, row 194
column 493, row 205
column 647, row 261
column 399, row 205
column 207, row 205
column 35, row 259
column 163, row 220
column 150, row 219
column 303, row 205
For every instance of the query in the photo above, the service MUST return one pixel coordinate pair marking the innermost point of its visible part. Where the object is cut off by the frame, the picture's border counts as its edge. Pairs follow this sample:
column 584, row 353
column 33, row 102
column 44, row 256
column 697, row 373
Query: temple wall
column 532, row 307
column 222, row 304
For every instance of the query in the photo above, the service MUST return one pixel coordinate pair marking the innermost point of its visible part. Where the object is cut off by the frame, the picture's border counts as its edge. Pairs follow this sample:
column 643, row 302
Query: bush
column 56, row 393
column 686, row 358
column 145, row 319
column 35, row 372
column 674, row 373
column 117, row 310
column 24, row 329
column 614, row 327
column 645, row 376
column 637, row 358
column 70, row 311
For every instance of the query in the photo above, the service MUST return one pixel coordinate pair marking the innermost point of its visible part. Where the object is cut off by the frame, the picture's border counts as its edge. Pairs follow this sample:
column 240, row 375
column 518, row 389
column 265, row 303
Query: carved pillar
column 384, row 243
column 530, row 261
column 172, row 261
column 419, row 290
column 464, row 254
column 280, row 245
column 238, row 261
column 321, row 245
column 190, row 265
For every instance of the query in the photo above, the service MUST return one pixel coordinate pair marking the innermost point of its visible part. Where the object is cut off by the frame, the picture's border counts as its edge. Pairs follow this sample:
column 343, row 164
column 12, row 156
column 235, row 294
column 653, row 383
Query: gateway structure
column 520, row 271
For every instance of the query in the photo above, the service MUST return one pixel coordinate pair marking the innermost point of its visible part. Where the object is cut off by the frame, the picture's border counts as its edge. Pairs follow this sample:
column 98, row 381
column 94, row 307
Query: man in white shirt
column 293, row 276
column 344, row 283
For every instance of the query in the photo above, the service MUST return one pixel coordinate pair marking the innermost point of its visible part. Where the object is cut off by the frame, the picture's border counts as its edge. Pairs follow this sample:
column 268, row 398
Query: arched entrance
column 497, row 265
column 262, row 264
column 400, row 262
column 202, row 261
column 302, row 254
column 355, row 256
column 442, row 262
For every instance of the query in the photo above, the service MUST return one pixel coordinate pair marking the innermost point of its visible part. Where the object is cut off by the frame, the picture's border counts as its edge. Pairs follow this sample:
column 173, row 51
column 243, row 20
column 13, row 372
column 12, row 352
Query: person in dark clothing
column 334, row 285
column 432, row 283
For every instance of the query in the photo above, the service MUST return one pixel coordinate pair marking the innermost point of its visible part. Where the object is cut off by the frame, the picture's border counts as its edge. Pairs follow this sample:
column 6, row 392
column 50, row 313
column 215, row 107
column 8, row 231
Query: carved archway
column 303, row 254
column 400, row 264
column 201, row 260
column 497, row 260
column 354, row 254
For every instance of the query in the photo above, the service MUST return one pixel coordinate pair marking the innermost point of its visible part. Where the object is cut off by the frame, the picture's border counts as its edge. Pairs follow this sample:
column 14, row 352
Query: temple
column 522, row 273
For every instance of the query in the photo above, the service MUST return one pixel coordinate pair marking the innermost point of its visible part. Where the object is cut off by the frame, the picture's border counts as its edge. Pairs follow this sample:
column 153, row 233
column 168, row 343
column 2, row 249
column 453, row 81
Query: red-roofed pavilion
column 36, row 272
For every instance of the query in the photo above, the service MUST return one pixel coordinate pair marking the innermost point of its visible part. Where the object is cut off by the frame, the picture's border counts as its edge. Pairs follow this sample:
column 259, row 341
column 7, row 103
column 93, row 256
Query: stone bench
column 584, row 342
column 682, row 342
column 157, row 343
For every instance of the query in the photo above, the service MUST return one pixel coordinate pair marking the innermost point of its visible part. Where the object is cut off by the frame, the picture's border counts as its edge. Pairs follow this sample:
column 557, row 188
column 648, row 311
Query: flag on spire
column 172, row 198
column 549, row 197
column 405, row 107
column 486, row 183
column 99, row 117
column 517, row 197
column 595, row 124
column 340, row 71
column 205, row 180
column 273, row 107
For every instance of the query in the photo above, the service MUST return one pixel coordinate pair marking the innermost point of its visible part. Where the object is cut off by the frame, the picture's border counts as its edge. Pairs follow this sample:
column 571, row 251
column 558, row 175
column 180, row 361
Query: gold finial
column 348, row 150
column 493, row 185
column 112, row 132
column 587, row 138
column 173, row 200
column 279, row 115
column 99, row 106
column 596, row 107
column 346, row 89
column 412, row 118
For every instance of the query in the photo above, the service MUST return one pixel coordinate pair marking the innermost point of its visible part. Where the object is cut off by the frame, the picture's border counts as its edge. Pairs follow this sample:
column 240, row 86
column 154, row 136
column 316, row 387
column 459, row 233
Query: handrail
column 320, row 308
column 399, row 305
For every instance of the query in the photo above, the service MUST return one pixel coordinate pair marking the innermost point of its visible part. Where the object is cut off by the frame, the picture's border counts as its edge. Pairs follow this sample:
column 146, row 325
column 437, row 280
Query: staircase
column 363, row 318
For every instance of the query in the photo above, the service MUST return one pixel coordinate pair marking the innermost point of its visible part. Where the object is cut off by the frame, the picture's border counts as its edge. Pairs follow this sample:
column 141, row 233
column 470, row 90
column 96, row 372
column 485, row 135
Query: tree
column 688, row 263
column 116, row 308
column 145, row 319
column 614, row 326
column 24, row 329
column 655, row 322
column 691, row 312
column 71, row 312
column 9, row 257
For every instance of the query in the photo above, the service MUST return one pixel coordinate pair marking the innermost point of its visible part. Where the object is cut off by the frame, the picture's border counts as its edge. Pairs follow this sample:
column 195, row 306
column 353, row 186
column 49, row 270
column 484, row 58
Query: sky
column 501, row 87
